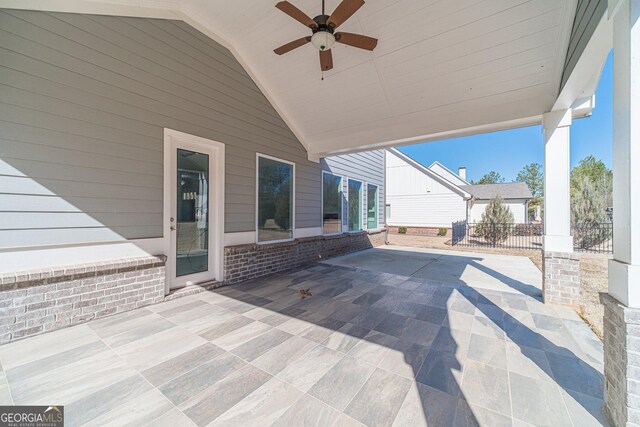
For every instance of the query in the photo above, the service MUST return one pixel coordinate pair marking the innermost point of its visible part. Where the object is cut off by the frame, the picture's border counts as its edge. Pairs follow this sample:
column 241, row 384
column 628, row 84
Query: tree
column 588, row 212
column 532, row 175
column 597, row 173
column 495, row 223
column 492, row 177
column 588, row 205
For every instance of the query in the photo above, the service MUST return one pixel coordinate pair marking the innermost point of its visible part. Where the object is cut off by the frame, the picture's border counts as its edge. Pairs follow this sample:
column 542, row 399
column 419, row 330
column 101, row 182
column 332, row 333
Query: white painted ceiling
column 440, row 66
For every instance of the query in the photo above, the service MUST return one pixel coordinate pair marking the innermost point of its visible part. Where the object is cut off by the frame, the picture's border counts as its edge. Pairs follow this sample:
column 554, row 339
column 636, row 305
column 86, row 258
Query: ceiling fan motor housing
column 322, row 38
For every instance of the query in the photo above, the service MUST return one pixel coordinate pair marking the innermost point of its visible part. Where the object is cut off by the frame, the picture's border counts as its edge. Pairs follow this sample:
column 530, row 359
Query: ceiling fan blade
column 292, row 45
column 296, row 14
column 326, row 60
column 344, row 12
column 357, row 40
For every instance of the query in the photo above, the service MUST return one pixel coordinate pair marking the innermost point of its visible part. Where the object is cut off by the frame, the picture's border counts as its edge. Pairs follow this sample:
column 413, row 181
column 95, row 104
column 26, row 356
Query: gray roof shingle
column 507, row 190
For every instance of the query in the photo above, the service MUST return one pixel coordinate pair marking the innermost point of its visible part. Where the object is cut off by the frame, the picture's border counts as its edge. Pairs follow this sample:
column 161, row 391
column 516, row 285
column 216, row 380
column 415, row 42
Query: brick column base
column 561, row 278
column 621, row 362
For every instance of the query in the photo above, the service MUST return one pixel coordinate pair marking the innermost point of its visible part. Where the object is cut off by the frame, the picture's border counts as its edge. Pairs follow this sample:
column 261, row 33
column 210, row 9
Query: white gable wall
column 418, row 200
column 518, row 208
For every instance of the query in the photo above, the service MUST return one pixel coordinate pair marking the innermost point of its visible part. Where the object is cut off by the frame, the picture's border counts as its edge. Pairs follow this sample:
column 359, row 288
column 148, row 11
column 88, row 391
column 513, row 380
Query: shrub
column 442, row 231
column 495, row 225
column 528, row 230
column 588, row 211
column 402, row 230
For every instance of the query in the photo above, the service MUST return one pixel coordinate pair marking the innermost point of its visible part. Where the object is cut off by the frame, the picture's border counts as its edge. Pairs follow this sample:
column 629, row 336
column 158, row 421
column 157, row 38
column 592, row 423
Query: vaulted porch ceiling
column 441, row 68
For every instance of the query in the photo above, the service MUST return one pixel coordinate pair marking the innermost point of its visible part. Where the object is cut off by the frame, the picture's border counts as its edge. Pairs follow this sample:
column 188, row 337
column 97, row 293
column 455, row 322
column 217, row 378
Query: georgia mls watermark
column 31, row 416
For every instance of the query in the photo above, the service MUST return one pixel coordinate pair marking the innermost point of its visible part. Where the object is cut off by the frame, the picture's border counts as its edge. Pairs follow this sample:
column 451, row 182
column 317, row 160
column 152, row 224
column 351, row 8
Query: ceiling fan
column 323, row 28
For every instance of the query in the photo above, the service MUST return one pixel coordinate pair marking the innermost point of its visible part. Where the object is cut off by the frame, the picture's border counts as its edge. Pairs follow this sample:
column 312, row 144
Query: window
column 331, row 203
column 275, row 199
column 372, row 207
column 355, row 205
column 387, row 213
column 192, row 213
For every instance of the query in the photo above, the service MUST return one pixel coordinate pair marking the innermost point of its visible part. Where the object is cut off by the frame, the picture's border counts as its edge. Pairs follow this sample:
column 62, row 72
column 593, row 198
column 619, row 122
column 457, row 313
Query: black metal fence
column 592, row 237
column 504, row 235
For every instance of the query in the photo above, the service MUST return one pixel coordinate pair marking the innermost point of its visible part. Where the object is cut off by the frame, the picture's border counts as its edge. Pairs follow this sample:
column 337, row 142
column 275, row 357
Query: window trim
column 341, row 204
column 293, row 200
column 377, row 207
column 362, row 225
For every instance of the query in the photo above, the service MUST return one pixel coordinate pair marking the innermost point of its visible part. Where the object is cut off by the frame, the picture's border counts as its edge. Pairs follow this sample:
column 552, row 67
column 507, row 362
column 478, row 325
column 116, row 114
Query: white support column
column 624, row 269
column 556, row 127
column 561, row 267
column 622, row 303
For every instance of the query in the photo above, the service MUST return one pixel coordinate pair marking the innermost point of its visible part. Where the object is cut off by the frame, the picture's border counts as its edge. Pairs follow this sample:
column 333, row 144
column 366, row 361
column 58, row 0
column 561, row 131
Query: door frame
column 216, row 150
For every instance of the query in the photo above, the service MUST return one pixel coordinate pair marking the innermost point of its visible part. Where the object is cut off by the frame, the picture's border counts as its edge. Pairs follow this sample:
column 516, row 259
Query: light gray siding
column 366, row 167
column 588, row 15
column 83, row 103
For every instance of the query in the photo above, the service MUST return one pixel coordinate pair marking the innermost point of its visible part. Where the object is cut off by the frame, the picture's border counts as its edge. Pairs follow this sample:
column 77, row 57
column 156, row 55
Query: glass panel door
column 331, row 204
column 192, row 213
column 355, row 205
column 372, row 207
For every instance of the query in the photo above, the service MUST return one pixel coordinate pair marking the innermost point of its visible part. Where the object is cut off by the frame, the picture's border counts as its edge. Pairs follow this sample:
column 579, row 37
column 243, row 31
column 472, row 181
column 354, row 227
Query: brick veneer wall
column 561, row 278
column 245, row 262
column 44, row 300
column 621, row 362
column 420, row 231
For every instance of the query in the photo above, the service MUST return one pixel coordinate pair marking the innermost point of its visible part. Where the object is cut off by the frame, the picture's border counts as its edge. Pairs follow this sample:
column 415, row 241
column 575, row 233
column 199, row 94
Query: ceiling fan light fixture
column 323, row 40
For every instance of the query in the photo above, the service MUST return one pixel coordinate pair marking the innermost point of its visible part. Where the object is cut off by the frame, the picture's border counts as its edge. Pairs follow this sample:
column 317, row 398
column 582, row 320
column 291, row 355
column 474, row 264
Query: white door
column 194, row 209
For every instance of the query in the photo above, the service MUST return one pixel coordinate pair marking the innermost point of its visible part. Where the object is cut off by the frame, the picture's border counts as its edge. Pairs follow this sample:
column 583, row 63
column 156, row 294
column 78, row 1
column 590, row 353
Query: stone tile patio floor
column 368, row 347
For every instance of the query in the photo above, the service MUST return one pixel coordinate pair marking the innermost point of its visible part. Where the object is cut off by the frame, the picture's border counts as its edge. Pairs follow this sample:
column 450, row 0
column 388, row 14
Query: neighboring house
column 516, row 195
column 434, row 196
column 128, row 138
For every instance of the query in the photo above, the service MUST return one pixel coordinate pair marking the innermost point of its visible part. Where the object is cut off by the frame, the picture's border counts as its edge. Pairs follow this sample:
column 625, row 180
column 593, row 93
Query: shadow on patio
column 478, row 356
column 382, row 344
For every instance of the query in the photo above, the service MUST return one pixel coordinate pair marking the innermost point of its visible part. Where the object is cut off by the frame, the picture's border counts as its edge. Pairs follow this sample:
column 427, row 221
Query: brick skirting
column 245, row 262
column 45, row 300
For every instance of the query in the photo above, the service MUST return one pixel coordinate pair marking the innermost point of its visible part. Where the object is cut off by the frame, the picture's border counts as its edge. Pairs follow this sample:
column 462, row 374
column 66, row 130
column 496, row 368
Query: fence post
column 494, row 239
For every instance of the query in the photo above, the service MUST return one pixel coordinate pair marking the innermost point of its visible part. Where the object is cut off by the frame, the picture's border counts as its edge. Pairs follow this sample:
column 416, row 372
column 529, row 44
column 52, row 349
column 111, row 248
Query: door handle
column 172, row 228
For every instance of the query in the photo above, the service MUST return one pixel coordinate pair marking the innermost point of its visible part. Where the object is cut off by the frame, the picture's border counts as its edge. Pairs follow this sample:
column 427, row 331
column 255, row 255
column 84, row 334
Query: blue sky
column 508, row 151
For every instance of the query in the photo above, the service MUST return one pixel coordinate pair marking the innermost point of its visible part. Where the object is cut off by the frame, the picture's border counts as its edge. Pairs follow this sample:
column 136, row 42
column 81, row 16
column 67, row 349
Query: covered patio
column 389, row 336
column 386, row 336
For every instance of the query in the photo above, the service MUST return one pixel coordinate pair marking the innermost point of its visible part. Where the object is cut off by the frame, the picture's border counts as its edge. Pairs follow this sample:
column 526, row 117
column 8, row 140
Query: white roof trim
column 583, row 80
column 430, row 173
column 448, row 170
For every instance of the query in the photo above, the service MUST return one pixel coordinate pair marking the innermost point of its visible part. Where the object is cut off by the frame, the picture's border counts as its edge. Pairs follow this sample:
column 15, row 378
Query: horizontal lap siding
column 367, row 167
column 83, row 103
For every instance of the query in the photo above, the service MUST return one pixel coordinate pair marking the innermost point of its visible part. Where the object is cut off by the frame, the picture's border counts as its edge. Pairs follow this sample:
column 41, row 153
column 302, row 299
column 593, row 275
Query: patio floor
column 390, row 336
